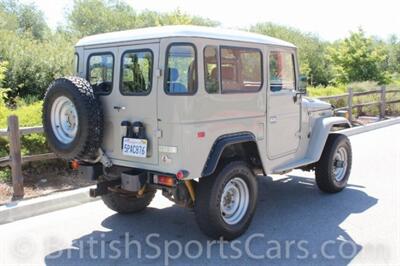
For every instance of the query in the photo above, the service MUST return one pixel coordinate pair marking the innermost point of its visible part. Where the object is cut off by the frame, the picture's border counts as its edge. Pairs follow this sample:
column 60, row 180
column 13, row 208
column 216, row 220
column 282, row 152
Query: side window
column 281, row 71
column 211, row 72
column 76, row 62
column 100, row 72
column 136, row 72
column 181, row 70
column 241, row 69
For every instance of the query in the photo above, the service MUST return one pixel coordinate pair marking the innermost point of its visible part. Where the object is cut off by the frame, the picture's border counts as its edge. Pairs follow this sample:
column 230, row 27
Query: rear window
column 241, row 69
column 181, row 70
column 136, row 72
column 100, row 72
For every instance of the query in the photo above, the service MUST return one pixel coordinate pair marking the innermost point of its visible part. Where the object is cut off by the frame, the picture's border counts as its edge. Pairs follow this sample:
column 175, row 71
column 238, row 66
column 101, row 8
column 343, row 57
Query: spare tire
column 73, row 119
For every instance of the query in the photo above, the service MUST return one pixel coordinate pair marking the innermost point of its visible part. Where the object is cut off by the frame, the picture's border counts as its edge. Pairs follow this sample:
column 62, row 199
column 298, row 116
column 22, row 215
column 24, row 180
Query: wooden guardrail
column 15, row 159
column 382, row 103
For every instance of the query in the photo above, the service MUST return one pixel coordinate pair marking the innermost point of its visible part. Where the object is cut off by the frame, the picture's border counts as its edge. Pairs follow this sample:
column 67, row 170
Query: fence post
column 350, row 104
column 15, row 157
column 383, row 103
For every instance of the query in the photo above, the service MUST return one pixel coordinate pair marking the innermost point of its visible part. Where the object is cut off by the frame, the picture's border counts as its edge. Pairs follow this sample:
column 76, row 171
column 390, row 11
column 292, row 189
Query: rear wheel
column 226, row 201
column 123, row 204
column 333, row 169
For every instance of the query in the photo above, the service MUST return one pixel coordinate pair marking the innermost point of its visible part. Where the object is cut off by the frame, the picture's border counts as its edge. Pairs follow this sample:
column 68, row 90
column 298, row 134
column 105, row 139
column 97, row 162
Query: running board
column 293, row 165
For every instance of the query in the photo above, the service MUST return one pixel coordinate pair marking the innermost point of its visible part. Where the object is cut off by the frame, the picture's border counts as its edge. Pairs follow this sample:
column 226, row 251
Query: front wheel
column 333, row 169
column 226, row 201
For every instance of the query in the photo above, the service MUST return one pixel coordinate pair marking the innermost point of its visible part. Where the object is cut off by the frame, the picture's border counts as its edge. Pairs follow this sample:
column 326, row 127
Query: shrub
column 321, row 91
column 29, row 115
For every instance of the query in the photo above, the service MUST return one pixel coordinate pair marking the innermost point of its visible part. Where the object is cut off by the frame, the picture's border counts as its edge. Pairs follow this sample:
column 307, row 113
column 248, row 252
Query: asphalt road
column 294, row 224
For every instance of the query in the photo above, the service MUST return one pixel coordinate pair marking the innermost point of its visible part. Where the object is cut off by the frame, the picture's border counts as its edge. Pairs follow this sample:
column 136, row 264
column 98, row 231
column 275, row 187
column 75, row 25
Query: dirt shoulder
column 44, row 182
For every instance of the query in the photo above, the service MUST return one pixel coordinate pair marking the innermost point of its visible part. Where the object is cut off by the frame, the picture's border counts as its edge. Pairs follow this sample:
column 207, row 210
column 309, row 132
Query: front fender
column 319, row 134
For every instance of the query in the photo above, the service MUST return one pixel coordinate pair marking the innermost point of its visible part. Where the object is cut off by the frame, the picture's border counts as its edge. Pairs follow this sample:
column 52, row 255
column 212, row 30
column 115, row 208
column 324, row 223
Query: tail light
column 168, row 181
column 74, row 164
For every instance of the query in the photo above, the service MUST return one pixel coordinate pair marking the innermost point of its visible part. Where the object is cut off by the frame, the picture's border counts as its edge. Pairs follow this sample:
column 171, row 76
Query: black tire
column 324, row 172
column 208, row 197
column 125, row 205
column 87, row 141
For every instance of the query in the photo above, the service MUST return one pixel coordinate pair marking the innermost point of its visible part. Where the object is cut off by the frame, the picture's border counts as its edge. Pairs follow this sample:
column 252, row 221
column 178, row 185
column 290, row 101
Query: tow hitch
column 102, row 187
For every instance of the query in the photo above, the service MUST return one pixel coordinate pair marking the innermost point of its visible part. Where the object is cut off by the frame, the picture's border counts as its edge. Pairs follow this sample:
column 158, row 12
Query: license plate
column 134, row 147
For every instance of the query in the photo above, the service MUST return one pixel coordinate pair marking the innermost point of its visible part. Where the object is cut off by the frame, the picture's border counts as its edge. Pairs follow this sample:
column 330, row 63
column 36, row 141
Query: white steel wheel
column 340, row 164
column 64, row 119
column 234, row 201
column 73, row 119
column 332, row 171
column 226, row 201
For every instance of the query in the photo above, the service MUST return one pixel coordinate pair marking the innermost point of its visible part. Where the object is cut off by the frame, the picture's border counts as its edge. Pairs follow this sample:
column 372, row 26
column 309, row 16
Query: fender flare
column 218, row 148
column 320, row 132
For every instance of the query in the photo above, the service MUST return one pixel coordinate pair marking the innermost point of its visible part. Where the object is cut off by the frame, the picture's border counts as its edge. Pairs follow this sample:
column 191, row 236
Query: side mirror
column 303, row 84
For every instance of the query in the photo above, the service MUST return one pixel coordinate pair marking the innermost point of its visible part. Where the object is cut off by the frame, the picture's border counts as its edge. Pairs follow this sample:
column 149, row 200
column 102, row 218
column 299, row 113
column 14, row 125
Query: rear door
column 133, row 99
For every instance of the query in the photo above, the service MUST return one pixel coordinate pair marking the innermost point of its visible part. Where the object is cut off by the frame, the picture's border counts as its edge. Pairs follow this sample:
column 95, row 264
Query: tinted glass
column 136, row 72
column 211, row 69
column 281, row 71
column 181, row 70
column 241, row 69
column 101, row 72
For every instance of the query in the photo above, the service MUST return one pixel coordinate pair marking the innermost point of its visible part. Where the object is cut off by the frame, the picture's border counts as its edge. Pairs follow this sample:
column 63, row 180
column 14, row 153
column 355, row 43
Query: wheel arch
column 322, row 128
column 233, row 146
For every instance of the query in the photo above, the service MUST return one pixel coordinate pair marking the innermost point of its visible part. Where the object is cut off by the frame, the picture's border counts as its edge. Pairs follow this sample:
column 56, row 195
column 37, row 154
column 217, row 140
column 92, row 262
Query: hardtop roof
column 180, row 31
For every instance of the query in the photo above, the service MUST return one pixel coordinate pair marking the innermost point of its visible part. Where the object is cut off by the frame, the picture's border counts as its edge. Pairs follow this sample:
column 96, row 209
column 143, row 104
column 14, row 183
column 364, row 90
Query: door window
column 281, row 71
column 136, row 74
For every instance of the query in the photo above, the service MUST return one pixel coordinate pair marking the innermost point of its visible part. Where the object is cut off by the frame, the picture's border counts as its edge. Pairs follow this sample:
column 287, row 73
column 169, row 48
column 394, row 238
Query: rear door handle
column 119, row 108
column 273, row 119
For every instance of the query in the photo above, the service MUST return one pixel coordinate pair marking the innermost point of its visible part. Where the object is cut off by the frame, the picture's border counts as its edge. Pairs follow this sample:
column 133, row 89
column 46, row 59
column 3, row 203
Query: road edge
column 368, row 127
column 19, row 210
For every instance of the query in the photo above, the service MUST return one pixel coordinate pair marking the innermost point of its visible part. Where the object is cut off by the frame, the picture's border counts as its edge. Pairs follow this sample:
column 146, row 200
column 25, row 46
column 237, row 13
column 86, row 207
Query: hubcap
column 340, row 164
column 64, row 119
column 234, row 201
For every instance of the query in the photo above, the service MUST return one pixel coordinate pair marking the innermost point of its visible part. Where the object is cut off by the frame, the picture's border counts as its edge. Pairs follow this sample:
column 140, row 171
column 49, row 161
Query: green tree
column 33, row 64
column 31, row 20
column 393, row 51
column 7, row 21
column 25, row 19
column 358, row 58
column 313, row 61
column 3, row 70
column 98, row 16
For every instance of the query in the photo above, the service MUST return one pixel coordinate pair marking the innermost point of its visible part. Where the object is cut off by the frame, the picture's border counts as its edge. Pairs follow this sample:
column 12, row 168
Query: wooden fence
column 15, row 159
column 350, row 95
